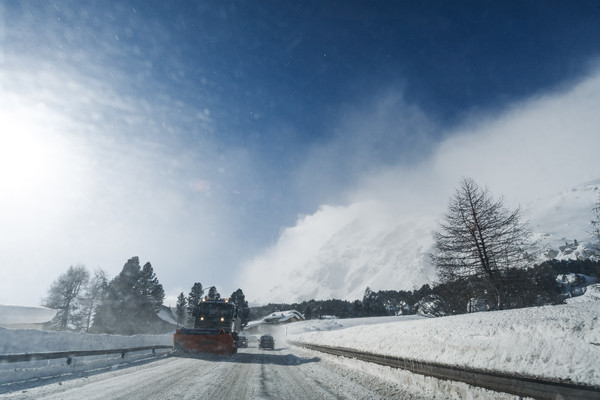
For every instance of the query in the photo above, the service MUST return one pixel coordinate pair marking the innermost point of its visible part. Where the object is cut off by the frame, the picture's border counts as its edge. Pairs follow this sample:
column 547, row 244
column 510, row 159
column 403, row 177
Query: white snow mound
column 555, row 341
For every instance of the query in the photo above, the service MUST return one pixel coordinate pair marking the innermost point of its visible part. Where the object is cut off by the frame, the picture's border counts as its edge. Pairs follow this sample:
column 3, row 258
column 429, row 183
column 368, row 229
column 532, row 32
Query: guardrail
column 520, row 385
column 11, row 358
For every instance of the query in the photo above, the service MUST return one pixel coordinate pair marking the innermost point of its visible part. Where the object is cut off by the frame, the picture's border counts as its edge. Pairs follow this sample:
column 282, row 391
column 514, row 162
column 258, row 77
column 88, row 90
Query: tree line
column 128, row 304
column 527, row 287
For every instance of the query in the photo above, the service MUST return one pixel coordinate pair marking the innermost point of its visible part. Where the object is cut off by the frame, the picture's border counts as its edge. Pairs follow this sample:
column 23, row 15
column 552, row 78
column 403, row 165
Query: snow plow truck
column 216, row 328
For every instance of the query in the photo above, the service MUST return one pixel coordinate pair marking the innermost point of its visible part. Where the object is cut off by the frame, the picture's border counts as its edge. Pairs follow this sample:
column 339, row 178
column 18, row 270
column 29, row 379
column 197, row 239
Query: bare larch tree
column 64, row 296
column 479, row 237
column 93, row 296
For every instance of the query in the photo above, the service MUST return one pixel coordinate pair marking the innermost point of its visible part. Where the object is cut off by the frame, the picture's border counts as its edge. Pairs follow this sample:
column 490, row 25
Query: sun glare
column 32, row 157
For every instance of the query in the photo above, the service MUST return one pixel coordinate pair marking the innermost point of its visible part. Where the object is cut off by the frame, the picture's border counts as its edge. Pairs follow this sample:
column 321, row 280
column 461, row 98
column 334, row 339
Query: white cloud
column 370, row 137
column 531, row 149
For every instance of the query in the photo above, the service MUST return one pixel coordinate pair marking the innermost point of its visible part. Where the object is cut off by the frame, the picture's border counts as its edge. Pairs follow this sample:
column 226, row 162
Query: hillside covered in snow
column 339, row 251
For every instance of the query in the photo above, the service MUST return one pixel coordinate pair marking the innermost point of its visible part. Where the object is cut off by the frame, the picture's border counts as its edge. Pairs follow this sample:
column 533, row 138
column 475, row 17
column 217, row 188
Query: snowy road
column 284, row 373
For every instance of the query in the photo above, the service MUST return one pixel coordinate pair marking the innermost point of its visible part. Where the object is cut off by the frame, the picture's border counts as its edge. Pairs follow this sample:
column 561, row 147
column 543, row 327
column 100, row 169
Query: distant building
column 285, row 317
column 274, row 319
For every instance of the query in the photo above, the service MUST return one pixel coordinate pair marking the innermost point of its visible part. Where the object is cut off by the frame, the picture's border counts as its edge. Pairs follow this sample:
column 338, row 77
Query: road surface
column 283, row 373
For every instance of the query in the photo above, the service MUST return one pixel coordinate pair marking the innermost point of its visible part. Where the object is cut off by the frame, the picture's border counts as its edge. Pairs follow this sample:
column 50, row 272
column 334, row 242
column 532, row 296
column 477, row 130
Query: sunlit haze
column 220, row 140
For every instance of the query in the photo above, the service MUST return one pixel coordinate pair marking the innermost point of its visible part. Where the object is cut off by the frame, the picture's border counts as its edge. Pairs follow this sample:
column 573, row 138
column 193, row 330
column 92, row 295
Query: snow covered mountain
column 340, row 251
column 563, row 220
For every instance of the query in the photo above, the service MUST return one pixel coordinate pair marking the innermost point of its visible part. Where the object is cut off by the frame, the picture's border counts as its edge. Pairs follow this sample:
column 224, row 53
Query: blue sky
column 191, row 133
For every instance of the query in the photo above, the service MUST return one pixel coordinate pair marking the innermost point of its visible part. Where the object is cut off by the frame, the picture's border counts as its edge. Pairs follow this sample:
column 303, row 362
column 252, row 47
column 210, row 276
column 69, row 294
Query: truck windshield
column 217, row 310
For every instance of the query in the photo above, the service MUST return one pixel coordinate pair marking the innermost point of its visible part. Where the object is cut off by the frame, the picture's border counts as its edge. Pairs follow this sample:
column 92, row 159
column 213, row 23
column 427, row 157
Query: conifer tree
column 213, row 293
column 180, row 309
column 132, row 301
column 150, row 291
column 194, row 298
column 243, row 310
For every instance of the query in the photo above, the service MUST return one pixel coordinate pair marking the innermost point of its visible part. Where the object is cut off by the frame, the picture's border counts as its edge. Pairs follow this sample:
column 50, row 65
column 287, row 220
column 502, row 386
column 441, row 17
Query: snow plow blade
column 203, row 341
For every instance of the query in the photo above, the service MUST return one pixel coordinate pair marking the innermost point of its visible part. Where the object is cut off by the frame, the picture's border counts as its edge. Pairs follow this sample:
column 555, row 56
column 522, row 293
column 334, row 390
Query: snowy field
column 554, row 341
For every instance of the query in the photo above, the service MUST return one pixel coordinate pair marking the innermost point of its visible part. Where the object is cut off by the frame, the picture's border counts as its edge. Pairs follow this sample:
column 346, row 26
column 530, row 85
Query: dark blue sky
column 241, row 115
column 295, row 63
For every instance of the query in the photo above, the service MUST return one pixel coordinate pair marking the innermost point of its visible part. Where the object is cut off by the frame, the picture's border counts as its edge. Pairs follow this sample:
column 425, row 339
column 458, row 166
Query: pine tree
column 132, row 301
column 194, row 298
column 180, row 309
column 307, row 313
column 372, row 305
column 213, row 293
column 243, row 310
column 151, row 292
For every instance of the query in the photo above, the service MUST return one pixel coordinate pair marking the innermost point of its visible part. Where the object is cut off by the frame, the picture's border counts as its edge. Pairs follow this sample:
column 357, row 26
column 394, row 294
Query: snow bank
column 336, row 324
column 555, row 341
column 14, row 341
column 592, row 293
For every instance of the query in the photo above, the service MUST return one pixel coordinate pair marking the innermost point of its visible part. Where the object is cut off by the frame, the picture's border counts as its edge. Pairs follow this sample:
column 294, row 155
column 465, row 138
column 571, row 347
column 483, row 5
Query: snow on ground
column 592, row 293
column 555, row 341
column 335, row 324
column 14, row 341
column 560, row 341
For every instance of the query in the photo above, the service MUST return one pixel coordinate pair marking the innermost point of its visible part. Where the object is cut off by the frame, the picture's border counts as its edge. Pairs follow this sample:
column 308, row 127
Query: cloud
column 529, row 150
column 534, row 148
column 371, row 135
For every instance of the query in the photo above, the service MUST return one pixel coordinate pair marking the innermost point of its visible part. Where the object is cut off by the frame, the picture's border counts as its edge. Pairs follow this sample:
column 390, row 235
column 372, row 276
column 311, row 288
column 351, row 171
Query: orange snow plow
column 203, row 341
column 213, row 330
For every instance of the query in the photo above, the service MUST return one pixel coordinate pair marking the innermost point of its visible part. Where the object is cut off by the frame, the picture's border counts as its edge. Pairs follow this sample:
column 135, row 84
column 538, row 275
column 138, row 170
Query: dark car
column 242, row 341
column 266, row 342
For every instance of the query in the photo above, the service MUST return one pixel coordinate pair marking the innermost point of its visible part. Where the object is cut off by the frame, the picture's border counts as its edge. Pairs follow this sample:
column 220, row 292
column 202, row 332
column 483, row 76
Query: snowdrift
column 560, row 342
